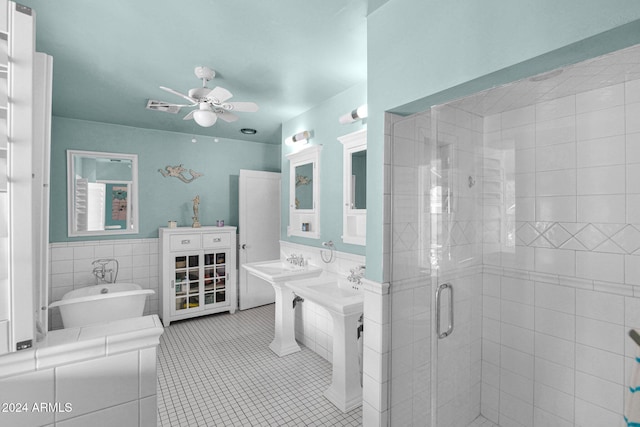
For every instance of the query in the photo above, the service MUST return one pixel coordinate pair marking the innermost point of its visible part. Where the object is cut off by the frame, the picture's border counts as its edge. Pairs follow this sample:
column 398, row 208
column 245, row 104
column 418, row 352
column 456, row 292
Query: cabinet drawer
column 216, row 240
column 184, row 242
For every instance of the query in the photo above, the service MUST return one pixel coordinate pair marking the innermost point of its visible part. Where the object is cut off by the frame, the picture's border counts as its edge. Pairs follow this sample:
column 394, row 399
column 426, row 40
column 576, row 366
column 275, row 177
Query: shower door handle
column 438, row 301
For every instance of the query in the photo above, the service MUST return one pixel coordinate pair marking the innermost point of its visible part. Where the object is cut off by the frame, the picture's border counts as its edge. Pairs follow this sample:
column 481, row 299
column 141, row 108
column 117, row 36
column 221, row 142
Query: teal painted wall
column 322, row 122
column 418, row 48
column 160, row 199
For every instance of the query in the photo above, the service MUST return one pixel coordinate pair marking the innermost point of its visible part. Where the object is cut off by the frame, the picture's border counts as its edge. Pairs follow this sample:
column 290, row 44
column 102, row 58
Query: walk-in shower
column 515, row 266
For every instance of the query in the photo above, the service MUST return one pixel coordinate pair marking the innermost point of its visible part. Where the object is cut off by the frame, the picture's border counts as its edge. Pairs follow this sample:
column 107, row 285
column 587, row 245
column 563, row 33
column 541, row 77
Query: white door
column 259, row 223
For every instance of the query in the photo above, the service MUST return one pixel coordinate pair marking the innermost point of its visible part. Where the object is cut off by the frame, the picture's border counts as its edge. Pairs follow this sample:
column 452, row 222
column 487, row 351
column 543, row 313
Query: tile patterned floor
column 219, row 371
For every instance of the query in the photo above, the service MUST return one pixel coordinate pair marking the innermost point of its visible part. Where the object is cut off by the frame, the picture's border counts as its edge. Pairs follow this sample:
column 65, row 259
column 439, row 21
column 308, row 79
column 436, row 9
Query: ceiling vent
column 152, row 104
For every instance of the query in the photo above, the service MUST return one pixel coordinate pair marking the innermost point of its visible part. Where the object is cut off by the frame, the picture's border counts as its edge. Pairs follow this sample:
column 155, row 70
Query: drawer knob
column 186, row 242
column 217, row 239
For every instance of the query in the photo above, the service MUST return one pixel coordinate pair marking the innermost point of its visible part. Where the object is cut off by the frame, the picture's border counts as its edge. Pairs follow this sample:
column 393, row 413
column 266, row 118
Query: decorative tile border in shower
column 610, row 238
column 574, row 282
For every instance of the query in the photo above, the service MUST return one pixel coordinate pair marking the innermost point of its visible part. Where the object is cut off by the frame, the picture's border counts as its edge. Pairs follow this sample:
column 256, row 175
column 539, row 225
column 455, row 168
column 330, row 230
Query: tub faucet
column 100, row 270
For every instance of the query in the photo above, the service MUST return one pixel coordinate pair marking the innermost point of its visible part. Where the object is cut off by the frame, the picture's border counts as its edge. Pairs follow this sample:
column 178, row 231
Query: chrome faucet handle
column 293, row 258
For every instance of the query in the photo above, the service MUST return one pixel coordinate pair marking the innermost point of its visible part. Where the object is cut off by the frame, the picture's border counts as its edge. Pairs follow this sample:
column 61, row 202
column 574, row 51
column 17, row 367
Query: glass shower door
column 436, row 285
column 410, row 290
column 456, row 266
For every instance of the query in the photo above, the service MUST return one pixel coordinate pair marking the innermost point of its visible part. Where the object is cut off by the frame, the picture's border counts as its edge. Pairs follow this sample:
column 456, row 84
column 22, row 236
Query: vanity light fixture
column 359, row 113
column 300, row 138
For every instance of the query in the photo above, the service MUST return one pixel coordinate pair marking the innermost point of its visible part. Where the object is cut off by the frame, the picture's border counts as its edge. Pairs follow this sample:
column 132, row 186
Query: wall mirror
column 102, row 193
column 304, row 190
column 354, row 179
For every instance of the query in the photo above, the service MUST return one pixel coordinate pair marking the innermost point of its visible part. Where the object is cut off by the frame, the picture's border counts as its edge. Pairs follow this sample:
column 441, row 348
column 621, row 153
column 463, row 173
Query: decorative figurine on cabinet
column 196, row 204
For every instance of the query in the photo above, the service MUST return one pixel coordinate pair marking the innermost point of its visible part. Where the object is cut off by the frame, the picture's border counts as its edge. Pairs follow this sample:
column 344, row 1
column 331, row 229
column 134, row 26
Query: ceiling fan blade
column 168, row 104
column 189, row 116
column 219, row 93
column 182, row 95
column 226, row 116
column 246, row 107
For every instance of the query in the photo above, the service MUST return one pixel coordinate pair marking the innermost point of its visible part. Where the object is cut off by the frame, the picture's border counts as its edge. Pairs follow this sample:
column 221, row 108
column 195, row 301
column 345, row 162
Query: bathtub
column 101, row 303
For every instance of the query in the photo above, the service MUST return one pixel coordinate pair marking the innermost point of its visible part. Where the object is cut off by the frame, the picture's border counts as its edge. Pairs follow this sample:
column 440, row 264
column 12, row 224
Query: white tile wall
column 580, row 291
column 70, row 268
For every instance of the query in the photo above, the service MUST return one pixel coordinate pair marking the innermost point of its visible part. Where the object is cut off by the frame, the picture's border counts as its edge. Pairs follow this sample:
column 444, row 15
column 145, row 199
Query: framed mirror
column 354, row 179
column 304, row 191
column 102, row 193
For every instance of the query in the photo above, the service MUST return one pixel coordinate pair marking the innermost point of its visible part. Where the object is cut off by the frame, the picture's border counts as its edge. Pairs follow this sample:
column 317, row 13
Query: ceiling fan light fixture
column 204, row 116
column 211, row 103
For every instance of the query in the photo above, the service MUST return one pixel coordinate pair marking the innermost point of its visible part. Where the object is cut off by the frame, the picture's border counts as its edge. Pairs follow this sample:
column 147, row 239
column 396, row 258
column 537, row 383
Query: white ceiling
column 110, row 57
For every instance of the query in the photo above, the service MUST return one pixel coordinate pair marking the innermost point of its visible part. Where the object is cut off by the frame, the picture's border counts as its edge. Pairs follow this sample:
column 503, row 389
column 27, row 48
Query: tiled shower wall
column 562, row 270
column 70, row 268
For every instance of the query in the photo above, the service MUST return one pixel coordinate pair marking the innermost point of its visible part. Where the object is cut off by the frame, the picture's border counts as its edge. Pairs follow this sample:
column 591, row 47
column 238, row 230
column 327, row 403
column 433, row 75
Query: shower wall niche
column 526, row 199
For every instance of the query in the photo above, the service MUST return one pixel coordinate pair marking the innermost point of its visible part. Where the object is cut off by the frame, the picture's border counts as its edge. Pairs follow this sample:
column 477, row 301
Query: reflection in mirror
column 359, row 179
column 304, row 186
column 304, row 190
column 102, row 193
column 354, row 178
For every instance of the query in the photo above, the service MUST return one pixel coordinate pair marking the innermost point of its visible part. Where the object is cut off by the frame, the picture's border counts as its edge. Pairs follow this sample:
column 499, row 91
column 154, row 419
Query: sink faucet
column 296, row 260
column 356, row 276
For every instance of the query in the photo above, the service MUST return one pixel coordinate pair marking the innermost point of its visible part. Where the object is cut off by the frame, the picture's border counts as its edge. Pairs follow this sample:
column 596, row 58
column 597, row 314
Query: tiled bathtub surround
column 71, row 268
column 96, row 375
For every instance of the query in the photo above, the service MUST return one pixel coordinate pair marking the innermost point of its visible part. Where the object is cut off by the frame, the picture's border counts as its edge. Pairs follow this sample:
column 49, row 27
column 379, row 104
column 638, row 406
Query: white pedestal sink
column 277, row 272
column 345, row 305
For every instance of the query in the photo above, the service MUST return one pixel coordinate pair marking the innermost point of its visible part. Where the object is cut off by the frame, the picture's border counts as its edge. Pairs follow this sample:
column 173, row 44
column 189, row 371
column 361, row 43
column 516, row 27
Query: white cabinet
column 198, row 269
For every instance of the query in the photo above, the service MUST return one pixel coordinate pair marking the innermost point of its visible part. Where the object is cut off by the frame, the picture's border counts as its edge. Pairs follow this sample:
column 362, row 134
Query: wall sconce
column 300, row 138
column 359, row 113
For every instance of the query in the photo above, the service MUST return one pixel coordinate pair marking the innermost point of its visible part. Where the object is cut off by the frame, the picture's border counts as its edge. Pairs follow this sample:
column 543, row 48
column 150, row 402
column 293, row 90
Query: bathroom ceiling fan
column 212, row 103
